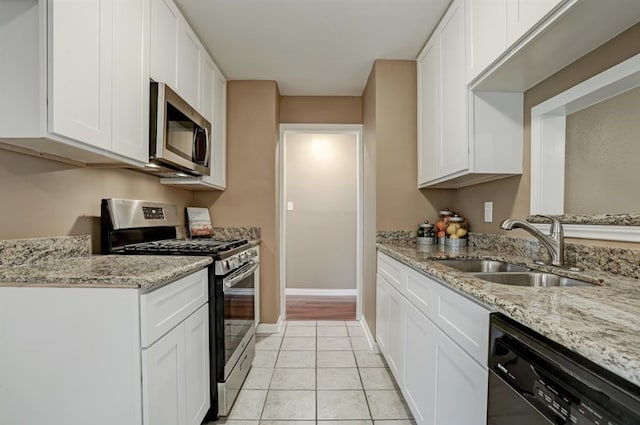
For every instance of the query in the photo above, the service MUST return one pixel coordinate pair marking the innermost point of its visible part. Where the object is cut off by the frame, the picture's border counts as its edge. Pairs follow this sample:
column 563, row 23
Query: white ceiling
column 311, row 47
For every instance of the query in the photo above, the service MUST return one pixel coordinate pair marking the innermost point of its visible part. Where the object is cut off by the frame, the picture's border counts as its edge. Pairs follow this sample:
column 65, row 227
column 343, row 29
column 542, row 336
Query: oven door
column 239, row 313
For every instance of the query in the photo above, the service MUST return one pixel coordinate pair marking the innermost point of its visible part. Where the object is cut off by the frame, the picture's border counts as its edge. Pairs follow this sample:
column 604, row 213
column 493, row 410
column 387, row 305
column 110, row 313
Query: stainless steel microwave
column 180, row 138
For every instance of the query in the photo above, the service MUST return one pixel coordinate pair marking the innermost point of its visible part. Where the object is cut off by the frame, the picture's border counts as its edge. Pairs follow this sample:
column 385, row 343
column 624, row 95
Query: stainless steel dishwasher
column 535, row 381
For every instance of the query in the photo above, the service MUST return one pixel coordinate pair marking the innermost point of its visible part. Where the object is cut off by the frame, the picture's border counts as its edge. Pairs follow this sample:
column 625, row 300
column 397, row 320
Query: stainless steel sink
column 483, row 266
column 535, row 279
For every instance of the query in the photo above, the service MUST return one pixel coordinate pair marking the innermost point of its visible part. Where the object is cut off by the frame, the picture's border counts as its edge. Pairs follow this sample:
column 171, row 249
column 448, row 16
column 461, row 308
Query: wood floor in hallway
column 321, row 308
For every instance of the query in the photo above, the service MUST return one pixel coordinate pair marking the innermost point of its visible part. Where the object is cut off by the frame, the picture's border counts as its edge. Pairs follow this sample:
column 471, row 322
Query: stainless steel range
column 149, row 228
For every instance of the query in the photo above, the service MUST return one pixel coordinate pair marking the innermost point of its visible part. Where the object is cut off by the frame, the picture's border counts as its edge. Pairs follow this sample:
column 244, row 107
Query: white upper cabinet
column 464, row 137
column 165, row 25
column 429, row 111
column 495, row 25
column 83, row 67
column 189, row 84
column 516, row 44
column 130, row 83
column 442, row 100
column 207, row 75
column 178, row 58
column 80, row 70
column 218, row 177
column 486, row 34
column 453, row 155
column 524, row 15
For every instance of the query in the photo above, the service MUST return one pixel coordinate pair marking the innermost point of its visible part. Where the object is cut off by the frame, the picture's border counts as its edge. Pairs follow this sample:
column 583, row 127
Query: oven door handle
column 233, row 280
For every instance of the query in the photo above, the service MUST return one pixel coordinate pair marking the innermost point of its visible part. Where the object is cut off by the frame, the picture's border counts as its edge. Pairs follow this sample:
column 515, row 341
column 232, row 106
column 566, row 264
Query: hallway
column 301, row 307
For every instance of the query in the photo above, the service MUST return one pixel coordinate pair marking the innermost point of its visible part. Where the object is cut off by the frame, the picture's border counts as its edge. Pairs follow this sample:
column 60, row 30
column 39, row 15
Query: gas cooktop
column 181, row 246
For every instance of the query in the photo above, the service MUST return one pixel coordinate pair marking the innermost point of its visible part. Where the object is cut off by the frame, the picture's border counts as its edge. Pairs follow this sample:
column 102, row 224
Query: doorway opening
column 320, row 205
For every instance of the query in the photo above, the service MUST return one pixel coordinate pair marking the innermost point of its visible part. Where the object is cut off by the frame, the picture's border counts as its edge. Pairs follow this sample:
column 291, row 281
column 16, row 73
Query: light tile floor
column 318, row 372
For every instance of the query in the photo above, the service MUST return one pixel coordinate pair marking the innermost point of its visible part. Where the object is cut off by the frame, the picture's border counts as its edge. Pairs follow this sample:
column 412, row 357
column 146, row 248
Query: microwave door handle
column 194, row 144
column 207, row 157
column 235, row 279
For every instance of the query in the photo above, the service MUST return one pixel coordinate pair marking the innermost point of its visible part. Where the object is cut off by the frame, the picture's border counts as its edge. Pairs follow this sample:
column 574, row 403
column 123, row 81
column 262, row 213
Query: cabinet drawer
column 164, row 308
column 464, row 321
column 391, row 270
column 421, row 291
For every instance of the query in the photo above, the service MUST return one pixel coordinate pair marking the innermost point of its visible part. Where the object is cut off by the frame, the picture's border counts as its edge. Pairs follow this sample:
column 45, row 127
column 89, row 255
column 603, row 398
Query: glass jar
column 441, row 225
column 457, row 231
column 425, row 235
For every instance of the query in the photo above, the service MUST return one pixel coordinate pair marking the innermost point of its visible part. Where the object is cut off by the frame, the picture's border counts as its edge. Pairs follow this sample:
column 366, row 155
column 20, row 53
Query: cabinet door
column 397, row 337
column 218, row 176
column 163, row 380
column 165, row 20
column 80, row 36
column 188, row 65
column 429, row 111
column 461, row 386
column 523, row 15
column 130, row 92
column 382, row 313
column 196, row 330
column 453, row 150
column 486, row 34
column 206, row 85
column 420, row 366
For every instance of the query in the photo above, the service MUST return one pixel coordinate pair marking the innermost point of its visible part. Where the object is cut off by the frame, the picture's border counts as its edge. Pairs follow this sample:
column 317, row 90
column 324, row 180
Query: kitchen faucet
column 554, row 243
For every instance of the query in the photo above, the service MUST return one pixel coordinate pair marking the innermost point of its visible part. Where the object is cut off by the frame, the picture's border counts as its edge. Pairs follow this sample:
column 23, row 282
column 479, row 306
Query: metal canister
column 426, row 235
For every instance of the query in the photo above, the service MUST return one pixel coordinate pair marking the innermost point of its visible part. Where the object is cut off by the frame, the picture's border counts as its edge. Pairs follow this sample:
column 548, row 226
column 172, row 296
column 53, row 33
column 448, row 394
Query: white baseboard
column 368, row 334
column 321, row 292
column 270, row 328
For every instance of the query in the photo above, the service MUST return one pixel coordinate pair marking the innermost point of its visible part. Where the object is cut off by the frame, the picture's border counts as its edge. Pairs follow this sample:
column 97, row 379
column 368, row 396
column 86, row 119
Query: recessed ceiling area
column 311, row 47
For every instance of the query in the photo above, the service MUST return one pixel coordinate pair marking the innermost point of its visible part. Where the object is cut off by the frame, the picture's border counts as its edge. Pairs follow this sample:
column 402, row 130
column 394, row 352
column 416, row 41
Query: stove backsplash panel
column 229, row 233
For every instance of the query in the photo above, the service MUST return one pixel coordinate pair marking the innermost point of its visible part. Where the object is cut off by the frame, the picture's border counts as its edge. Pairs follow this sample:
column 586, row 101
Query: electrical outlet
column 289, row 206
column 488, row 212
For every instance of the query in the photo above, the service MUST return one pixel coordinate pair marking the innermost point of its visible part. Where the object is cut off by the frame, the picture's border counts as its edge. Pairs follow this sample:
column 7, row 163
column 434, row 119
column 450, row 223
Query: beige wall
column 41, row 198
column 390, row 122
column 399, row 202
column 250, row 197
column 321, row 109
column 511, row 196
column 321, row 182
column 602, row 151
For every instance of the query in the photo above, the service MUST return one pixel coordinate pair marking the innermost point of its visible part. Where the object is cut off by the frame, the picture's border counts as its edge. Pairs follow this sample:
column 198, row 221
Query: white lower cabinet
column 421, row 355
column 175, row 374
column 196, row 351
column 461, row 386
column 397, row 323
column 382, row 312
column 163, row 395
column 441, row 381
column 105, row 355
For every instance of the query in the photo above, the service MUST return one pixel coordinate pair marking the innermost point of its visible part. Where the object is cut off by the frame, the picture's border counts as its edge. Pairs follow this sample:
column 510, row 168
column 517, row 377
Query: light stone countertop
column 601, row 323
column 145, row 272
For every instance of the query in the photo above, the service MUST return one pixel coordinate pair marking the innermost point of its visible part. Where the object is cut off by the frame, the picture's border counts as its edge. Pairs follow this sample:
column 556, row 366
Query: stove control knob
column 225, row 266
column 244, row 257
column 233, row 263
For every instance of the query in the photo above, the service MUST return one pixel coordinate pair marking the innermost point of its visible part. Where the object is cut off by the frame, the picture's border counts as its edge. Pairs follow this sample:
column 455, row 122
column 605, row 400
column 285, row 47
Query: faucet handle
column 556, row 225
